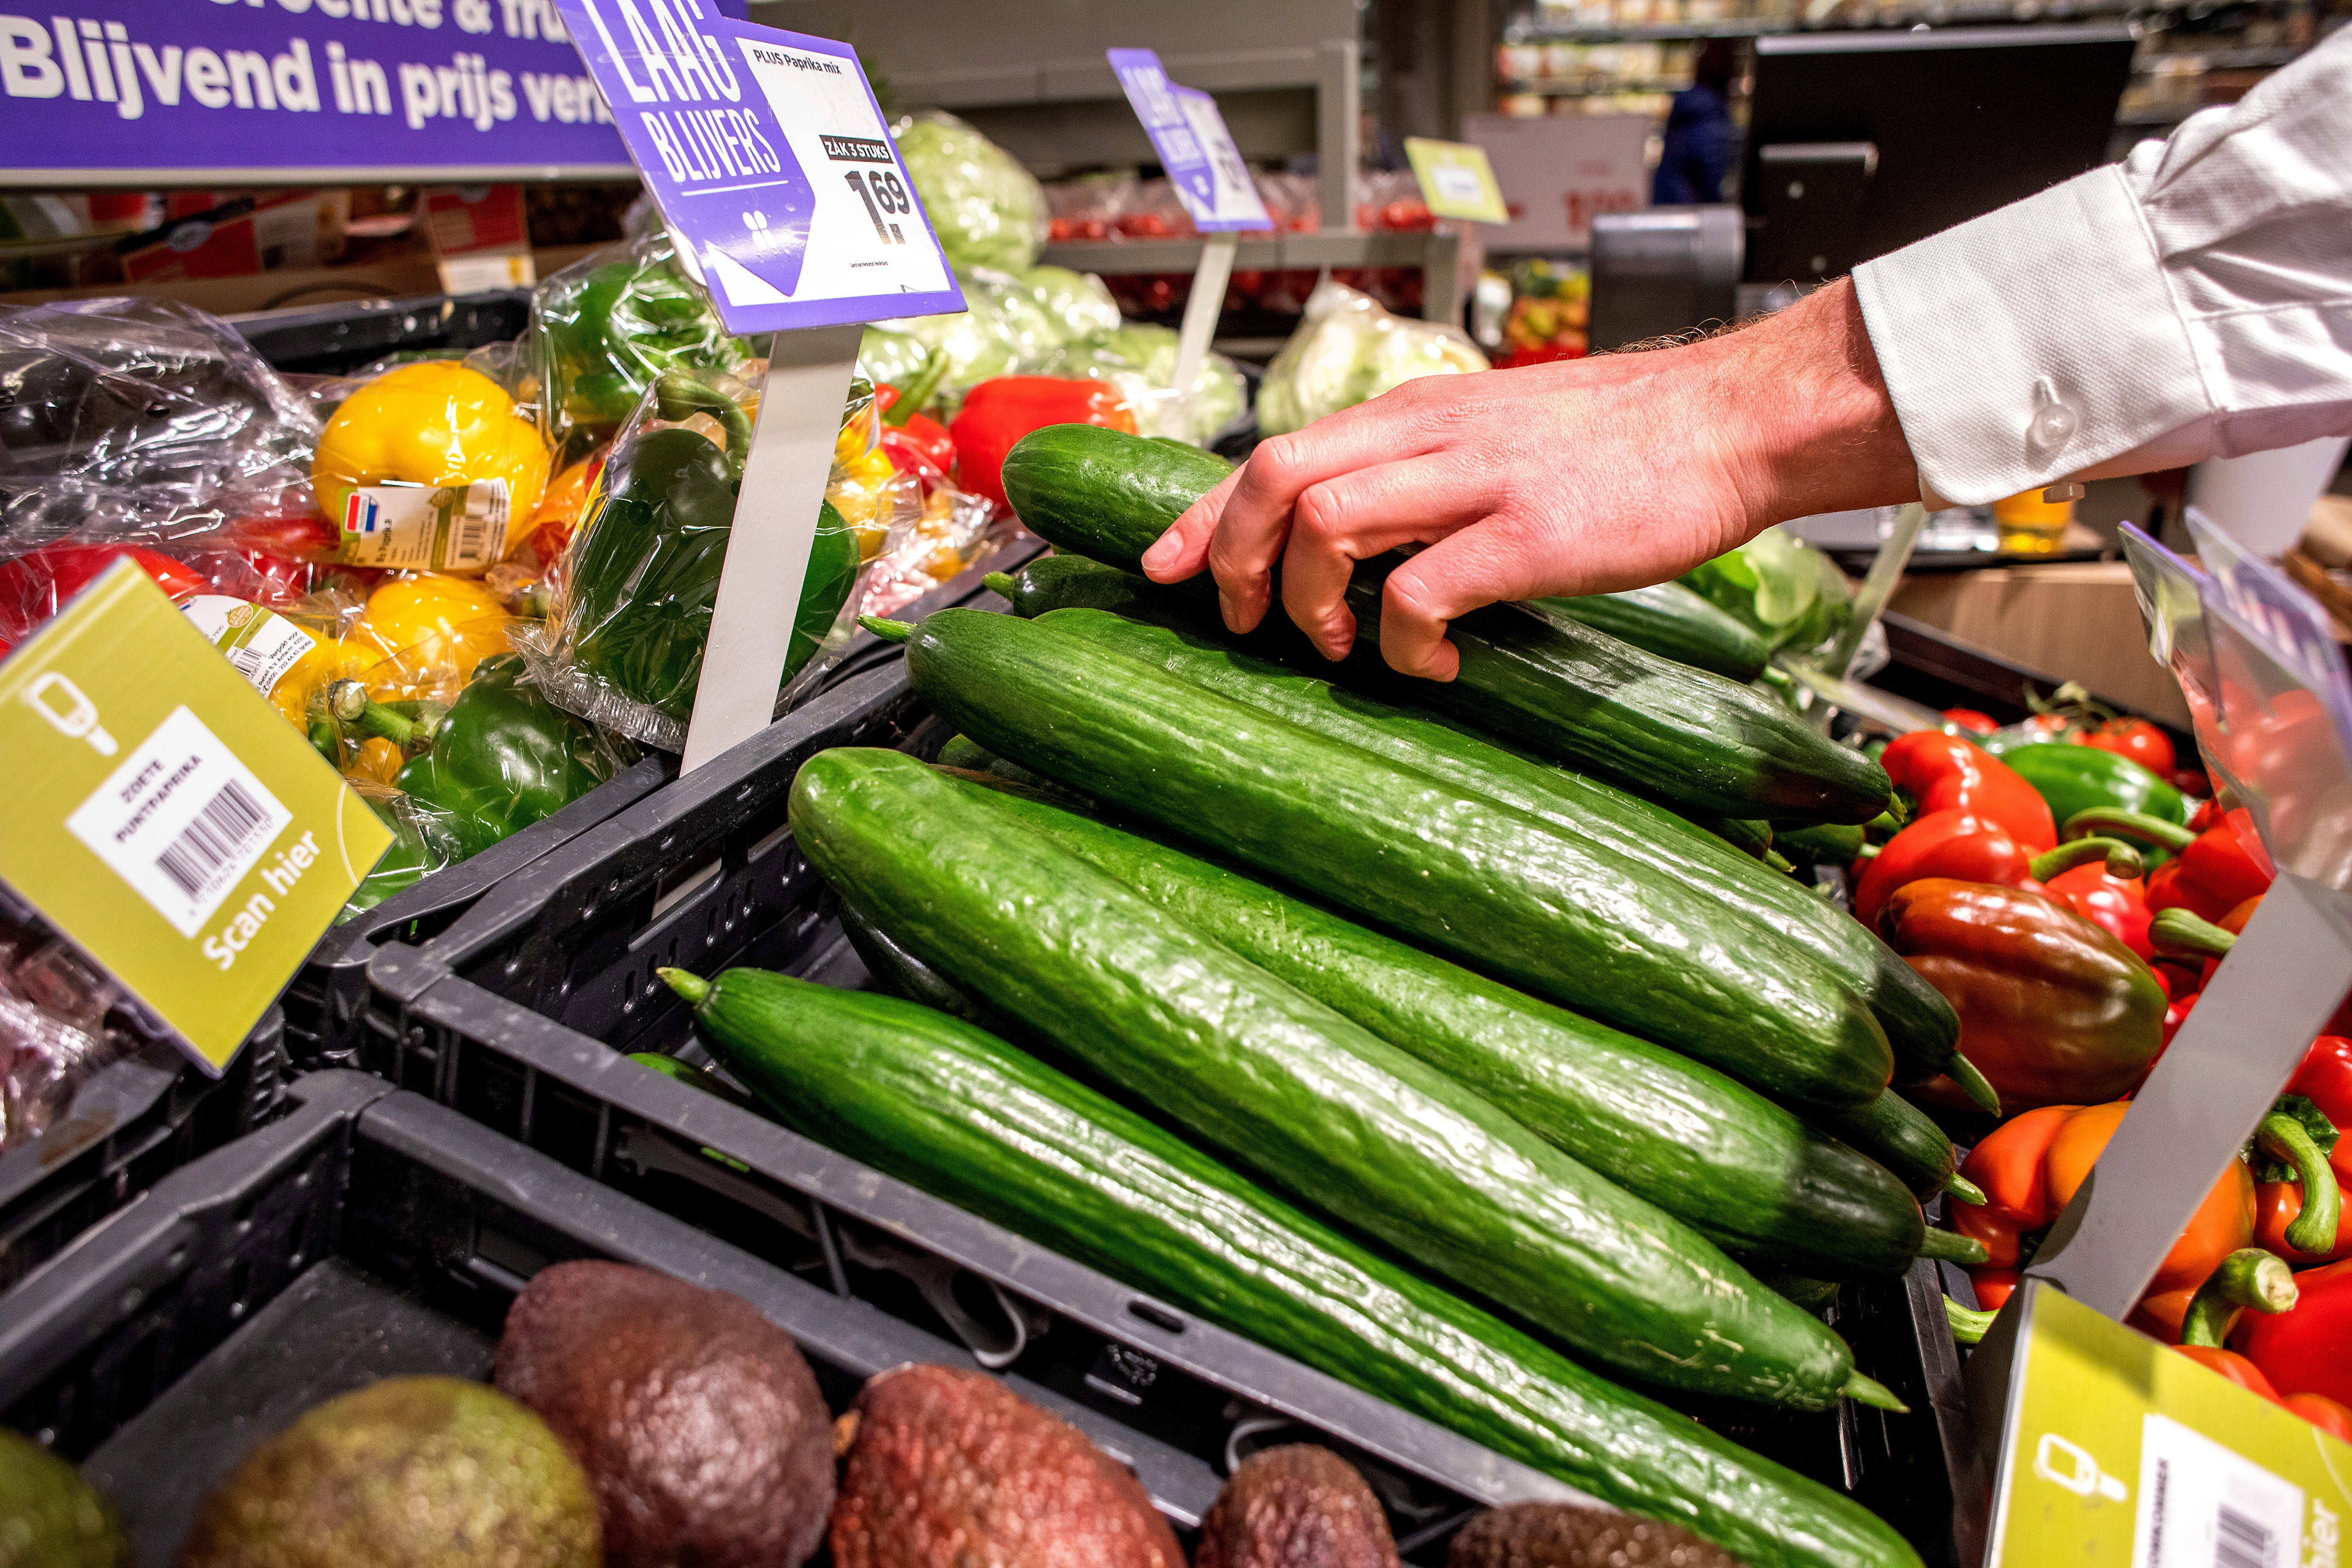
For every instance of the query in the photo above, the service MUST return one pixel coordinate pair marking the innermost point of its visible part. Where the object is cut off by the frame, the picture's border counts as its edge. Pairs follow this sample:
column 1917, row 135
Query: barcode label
column 2204, row 1506
column 182, row 821
column 223, row 829
column 418, row 528
column 258, row 643
column 2240, row 1541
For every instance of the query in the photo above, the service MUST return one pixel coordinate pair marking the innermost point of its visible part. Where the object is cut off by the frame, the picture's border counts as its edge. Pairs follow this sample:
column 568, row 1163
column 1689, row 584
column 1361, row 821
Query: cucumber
column 1740, row 1169
column 1919, row 1023
column 1900, row 1136
column 1672, row 622
column 1321, row 1105
column 1565, row 917
column 901, row 973
column 1053, row 582
column 1822, row 844
column 949, row 1110
column 1700, row 743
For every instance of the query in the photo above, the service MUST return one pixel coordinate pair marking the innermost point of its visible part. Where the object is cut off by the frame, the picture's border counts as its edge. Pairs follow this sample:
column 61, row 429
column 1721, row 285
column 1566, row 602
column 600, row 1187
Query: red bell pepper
column 1957, row 843
column 998, row 413
column 35, row 584
column 1940, row 772
column 2137, row 738
column 1969, row 721
column 2182, row 935
column 906, row 428
column 2302, row 1349
column 2233, row 1366
column 2053, row 1009
column 2325, row 1078
column 2212, row 873
column 2323, row 1412
column 2109, row 893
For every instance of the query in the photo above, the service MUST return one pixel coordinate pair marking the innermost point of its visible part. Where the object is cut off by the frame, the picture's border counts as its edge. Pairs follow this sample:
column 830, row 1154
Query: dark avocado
column 699, row 1424
column 952, row 1469
column 1295, row 1507
column 1566, row 1535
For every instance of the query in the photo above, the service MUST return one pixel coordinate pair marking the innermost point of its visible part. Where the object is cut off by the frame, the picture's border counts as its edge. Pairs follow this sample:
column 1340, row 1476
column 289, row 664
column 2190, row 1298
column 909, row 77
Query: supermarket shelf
column 1437, row 254
column 1605, row 89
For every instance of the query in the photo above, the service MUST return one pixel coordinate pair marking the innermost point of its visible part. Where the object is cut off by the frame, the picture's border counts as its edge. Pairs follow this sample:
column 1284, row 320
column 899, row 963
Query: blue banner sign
column 771, row 163
column 129, row 93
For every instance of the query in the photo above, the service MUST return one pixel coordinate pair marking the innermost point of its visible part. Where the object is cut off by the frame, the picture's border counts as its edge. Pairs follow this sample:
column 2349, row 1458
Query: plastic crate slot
column 1157, row 1316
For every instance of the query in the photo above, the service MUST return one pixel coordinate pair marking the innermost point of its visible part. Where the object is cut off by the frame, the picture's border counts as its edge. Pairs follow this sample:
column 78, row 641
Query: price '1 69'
column 883, row 194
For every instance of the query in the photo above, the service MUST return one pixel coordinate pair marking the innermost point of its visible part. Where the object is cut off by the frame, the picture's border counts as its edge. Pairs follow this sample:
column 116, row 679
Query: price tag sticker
column 770, row 159
column 2122, row 1453
column 1198, row 152
column 167, row 819
column 1456, row 180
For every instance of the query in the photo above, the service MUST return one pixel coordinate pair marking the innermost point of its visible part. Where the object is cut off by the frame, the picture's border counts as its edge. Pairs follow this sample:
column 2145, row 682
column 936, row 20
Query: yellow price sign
column 2119, row 1452
column 1456, row 180
column 166, row 819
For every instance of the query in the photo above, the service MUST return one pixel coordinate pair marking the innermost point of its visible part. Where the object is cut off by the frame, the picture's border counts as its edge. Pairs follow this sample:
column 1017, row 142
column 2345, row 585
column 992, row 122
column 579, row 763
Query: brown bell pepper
column 2053, row 1010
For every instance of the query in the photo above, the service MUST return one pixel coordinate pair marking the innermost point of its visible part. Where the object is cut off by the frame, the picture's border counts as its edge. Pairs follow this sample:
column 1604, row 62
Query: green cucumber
column 1737, row 1168
column 1672, row 622
column 1568, row 918
column 1822, row 843
column 1696, row 740
column 1323, row 1108
column 953, row 1111
column 901, row 973
column 1919, row 1023
column 1900, row 1136
column 1053, row 582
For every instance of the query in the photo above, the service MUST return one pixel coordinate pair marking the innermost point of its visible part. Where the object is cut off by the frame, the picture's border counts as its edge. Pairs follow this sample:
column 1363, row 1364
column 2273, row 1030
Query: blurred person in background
column 1701, row 140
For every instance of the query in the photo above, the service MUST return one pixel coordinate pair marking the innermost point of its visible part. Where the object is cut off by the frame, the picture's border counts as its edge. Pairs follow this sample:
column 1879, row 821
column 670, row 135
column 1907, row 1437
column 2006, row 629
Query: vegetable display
column 957, row 1112
column 1321, row 1105
column 1672, row 622
column 1575, row 921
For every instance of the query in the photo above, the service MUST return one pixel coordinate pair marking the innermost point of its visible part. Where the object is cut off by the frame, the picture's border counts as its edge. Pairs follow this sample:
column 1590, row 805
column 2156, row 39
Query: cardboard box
column 2075, row 621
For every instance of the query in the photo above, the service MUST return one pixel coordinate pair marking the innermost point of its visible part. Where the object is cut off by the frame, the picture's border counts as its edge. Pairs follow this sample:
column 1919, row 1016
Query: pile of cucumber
column 1433, row 996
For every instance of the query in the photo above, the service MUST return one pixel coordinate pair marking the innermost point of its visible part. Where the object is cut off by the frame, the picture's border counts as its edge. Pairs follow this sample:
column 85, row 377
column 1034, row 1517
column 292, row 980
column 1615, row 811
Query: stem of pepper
column 2180, row 934
column 349, row 703
column 918, row 392
column 1969, row 1323
column 2247, row 1277
column 2288, row 1140
column 2138, row 823
column 2123, row 860
column 679, row 395
column 1952, row 1247
column 1974, row 1084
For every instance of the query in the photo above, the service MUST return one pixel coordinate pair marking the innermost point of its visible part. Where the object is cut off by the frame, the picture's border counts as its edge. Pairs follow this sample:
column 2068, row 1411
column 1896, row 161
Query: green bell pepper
column 645, row 570
column 500, row 759
column 408, row 862
column 2078, row 778
column 608, row 332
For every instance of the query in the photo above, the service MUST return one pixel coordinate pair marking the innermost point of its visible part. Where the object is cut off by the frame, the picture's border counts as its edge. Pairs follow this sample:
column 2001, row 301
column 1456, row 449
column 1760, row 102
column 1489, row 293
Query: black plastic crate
column 519, row 1014
column 370, row 1234
column 134, row 1122
column 335, row 340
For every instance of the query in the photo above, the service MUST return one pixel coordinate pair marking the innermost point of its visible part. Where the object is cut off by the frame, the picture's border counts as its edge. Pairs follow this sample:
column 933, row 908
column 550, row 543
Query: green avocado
column 50, row 1517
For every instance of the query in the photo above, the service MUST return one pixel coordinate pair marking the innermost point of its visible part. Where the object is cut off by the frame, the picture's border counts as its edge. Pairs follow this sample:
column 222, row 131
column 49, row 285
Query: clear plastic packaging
column 144, row 392
column 1348, row 349
column 603, row 328
column 431, row 466
column 53, row 1027
column 987, row 210
column 1005, row 330
column 1141, row 361
column 624, row 645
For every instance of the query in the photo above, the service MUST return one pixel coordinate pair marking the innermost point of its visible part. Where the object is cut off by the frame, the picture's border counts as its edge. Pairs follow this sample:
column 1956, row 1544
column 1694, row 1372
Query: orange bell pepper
column 2322, row 1411
column 2030, row 1168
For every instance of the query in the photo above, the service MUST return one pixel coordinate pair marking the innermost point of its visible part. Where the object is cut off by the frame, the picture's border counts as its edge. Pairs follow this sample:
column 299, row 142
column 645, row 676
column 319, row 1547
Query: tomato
column 2137, row 738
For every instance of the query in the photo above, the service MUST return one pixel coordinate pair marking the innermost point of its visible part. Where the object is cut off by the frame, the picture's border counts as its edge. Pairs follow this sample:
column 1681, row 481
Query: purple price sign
column 162, row 91
column 770, row 159
column 1193, row 144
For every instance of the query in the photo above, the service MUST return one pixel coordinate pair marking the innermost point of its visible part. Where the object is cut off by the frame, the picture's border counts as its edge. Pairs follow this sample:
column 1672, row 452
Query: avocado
column 50, row 1517
column 700, row 1427
column 1296, row 1506
column 952, row 1469
column 412, row 1472
column 1567, row 1535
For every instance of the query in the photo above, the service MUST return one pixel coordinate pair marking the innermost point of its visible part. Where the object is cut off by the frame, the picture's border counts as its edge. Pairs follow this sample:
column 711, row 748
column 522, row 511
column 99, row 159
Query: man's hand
column 1578, row 478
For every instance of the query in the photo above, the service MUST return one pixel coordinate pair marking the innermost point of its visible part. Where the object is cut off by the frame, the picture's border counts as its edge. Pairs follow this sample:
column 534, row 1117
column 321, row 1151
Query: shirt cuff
column 2033, row 343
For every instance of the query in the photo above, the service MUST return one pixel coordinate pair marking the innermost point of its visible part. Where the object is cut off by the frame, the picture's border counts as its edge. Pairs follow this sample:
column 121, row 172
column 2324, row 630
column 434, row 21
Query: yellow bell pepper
column 330, row 659
column 404, row 610
column 437, row 423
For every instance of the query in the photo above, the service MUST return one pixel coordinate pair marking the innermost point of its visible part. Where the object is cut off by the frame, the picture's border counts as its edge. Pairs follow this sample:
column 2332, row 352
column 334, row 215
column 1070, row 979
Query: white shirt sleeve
column 2194, row 300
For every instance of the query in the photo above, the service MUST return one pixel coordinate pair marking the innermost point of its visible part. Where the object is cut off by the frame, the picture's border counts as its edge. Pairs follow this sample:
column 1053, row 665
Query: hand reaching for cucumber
column 1578, row 477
